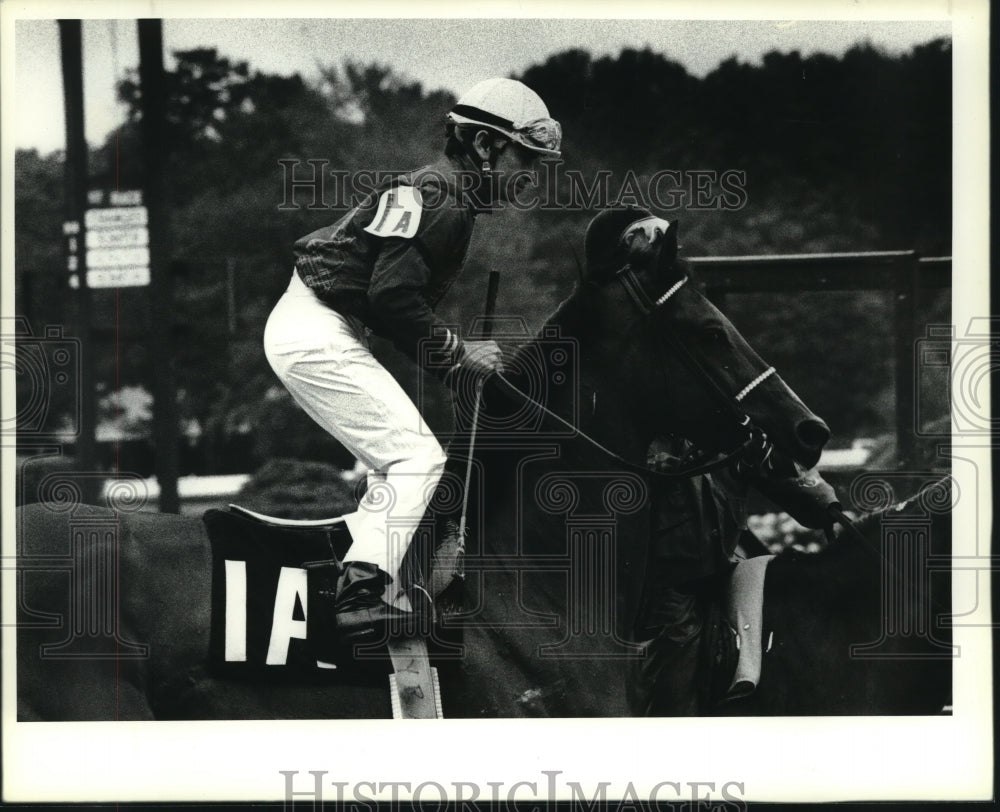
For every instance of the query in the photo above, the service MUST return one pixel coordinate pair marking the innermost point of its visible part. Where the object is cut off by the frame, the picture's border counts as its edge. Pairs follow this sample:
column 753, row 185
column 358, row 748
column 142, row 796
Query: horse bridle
column 753, row 453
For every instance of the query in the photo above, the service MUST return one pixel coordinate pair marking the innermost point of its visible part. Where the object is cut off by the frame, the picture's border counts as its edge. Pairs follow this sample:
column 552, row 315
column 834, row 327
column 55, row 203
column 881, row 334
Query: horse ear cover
column 604, row 253
column 668, row 249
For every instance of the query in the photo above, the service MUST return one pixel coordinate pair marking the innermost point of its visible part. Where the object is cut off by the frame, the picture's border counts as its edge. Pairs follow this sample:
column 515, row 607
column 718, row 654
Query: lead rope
column 837, row 516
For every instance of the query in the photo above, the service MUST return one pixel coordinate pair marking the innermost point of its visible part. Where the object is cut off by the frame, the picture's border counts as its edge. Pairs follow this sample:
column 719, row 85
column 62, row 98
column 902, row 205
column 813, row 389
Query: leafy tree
column 839, row 154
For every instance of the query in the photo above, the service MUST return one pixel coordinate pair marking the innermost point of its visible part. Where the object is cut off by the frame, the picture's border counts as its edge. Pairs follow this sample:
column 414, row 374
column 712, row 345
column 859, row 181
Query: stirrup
column 279, row 522
column 387, row 620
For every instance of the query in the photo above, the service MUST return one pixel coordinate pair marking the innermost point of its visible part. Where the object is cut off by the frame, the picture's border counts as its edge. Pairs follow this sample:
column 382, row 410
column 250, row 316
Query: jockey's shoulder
column 416, row 203
column 436, row 181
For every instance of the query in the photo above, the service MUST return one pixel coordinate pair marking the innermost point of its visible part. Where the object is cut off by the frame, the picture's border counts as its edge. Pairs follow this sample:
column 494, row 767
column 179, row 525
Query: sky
column 446, row 53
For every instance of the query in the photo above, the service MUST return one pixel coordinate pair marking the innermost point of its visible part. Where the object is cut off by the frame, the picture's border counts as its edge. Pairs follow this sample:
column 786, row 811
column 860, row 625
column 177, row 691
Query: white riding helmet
column 512, row 109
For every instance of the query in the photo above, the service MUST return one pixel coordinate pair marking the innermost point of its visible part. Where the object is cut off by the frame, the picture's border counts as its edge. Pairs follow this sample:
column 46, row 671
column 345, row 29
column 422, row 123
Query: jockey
column 381, row 269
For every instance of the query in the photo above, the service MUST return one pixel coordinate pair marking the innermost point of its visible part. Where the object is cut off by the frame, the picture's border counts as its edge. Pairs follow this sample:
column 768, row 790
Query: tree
column 840, row 154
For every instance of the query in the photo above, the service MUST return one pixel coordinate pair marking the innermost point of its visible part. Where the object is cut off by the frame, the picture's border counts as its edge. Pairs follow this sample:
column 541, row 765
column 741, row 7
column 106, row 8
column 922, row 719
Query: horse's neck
column 540, row 491
column 525, row 479
column 595, row 406
column 552, row 559
column 894, row 554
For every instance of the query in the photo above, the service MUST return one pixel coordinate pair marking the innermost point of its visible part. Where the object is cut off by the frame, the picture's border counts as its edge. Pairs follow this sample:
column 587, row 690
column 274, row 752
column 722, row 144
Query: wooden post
column 160, row 288
column 71, row 46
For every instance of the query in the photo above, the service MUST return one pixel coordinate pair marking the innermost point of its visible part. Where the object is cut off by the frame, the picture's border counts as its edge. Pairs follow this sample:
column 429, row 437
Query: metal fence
column 904, row 273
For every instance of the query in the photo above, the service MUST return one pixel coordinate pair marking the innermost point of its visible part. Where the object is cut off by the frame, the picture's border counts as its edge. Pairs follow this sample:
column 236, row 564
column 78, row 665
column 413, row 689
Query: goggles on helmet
column 541, row 135
column 650, row 229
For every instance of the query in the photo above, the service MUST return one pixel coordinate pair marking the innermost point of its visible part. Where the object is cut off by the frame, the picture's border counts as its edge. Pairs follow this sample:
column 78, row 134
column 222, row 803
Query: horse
column 557, row 519
column 862, row 627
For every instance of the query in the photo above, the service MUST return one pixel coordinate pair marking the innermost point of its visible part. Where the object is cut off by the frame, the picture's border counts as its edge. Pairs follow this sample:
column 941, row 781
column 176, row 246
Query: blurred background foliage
column 839, row 154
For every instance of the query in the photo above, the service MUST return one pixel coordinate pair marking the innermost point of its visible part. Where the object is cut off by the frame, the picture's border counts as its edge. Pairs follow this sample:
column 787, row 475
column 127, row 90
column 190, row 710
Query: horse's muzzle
column 812, row 435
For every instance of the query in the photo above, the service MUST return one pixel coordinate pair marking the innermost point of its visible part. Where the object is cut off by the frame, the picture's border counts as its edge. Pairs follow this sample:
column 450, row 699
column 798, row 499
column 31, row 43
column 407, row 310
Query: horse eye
column 714, row 333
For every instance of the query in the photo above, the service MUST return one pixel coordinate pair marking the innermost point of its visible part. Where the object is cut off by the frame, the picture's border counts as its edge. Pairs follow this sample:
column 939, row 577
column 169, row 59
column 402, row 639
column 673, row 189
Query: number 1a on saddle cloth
column 267, row 583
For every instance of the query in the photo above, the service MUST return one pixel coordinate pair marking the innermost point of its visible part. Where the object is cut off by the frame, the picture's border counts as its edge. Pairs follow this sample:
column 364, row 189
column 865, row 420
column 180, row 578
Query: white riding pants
column 325, row 361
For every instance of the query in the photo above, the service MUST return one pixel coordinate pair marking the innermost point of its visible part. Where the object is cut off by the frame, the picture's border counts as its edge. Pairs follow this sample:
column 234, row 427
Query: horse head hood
column 628, row 235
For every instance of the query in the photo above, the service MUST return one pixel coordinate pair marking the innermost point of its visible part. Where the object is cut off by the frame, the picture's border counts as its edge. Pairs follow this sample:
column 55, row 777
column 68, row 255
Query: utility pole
column 71, row 47
column 160, row 288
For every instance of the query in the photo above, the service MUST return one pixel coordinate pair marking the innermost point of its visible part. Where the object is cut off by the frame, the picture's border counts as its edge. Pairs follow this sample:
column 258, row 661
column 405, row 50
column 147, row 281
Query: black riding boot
column 362, row 613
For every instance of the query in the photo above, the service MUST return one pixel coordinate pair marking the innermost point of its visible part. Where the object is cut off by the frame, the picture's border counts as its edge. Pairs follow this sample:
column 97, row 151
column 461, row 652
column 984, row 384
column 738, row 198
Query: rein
column 714, row 464
column 753, row 450
column 837, row 516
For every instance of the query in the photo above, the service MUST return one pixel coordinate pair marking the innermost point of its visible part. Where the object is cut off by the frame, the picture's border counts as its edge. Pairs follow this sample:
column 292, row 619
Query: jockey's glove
column 806, row 497
column 479, row 358
column 476, row 359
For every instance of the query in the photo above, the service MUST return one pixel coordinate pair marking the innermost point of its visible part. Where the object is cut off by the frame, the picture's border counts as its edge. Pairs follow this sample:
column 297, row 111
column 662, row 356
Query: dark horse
column 557, row 542
column 862, row 627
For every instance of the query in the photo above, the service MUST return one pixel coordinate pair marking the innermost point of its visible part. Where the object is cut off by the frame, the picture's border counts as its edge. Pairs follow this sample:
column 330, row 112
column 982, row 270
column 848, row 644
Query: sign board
column 118, row 237
column 134, row 276
column 112, row 218
column 117, row 240
column 114, row 197
column 117, row 257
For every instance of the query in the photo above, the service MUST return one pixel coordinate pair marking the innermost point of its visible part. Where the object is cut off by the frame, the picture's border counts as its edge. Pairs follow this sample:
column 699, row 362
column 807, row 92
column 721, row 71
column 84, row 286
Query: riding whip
column 491, row 303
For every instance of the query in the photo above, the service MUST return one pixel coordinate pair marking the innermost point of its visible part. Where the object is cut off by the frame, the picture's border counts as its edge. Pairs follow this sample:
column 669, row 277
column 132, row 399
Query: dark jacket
column 696, row 521
column 392, row 283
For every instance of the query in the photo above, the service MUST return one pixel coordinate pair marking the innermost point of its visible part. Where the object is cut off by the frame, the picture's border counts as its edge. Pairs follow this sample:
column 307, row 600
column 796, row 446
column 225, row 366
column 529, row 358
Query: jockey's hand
column 481, row 357
column 806, row 497
column 663, row 462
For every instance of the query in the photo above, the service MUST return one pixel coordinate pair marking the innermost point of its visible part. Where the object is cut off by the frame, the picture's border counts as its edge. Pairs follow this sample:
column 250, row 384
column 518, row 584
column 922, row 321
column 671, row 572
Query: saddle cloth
column 260, row 595
column 266, row 575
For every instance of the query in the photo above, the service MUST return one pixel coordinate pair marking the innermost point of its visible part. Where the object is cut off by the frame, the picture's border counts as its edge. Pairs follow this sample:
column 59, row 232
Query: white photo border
column 775, row 759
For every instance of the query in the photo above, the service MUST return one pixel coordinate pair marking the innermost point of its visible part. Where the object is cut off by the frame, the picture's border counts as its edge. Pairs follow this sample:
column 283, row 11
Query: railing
column 903, row 272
